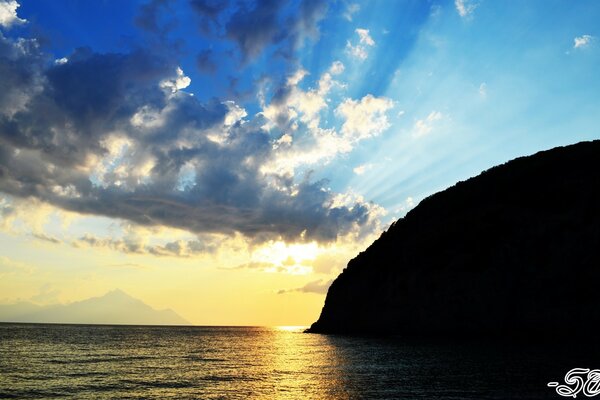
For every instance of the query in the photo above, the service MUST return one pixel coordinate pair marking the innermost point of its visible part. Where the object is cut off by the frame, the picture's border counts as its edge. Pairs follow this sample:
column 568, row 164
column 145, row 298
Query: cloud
column 179, row 82
column 465, row 8
column 8, row 14
column 269, row 267
column 255, row 27
column 330, row 262
column 424, row 126
column 258, row 265
column 483, row 90
column 582, row 41
column 291, row 104
column 364, row 118
column 46, row 238
column 361, row 169
column 303, row 141
column 365, row 38
column 209, row 8
column 337, row 67
column 319, row 286
column 6, row 209
column 351, row 9
column 117, row 135
column 133, row 266
column 359, row 50
column 29, row 217
column 136, row 245
column 405, row 206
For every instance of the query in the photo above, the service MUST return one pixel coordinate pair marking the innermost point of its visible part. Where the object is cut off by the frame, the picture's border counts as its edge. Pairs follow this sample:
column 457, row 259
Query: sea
column 140, row 362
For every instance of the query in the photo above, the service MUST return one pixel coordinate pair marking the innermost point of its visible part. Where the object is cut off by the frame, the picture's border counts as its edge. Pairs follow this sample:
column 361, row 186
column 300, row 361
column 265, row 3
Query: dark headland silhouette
column 513, row 252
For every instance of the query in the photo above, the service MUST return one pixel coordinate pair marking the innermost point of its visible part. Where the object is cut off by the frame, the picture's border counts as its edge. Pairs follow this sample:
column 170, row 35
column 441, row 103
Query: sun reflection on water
column 93, row 362
column 301, row 366
column 291, row 328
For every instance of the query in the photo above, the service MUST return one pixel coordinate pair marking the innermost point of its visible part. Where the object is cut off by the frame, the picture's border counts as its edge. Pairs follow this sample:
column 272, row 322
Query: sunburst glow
column 226, row 159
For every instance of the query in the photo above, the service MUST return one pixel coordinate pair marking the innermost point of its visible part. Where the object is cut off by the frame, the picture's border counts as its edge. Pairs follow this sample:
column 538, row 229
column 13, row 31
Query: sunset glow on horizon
column 227, row 159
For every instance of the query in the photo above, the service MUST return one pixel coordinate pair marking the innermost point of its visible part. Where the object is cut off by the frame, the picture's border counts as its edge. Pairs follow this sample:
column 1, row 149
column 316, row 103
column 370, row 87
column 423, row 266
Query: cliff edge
column 514, row 251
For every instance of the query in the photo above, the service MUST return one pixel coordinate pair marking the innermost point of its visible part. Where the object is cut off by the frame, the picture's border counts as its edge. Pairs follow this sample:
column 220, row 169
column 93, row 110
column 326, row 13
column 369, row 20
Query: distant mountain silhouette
column 115, row 307
column 513, row 252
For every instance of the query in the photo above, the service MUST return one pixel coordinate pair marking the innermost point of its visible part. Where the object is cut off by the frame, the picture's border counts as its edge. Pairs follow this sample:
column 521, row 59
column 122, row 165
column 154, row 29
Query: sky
column 226, row 159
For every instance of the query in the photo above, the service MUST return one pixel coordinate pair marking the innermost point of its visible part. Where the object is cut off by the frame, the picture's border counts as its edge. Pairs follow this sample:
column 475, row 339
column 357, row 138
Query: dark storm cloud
column 112, row 135
column 255, row 26
column 20, row 73
column 71, row 106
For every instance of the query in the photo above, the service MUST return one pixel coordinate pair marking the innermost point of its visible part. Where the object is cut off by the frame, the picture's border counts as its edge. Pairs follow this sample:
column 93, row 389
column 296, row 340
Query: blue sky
column 260, row 125
column 506, row 79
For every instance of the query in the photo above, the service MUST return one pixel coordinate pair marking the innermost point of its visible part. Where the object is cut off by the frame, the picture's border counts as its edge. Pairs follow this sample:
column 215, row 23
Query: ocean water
column 135, row 362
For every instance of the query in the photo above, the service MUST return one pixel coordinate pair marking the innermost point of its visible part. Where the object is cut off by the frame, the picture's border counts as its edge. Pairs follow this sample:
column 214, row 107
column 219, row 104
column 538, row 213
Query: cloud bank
column 255, row 26
column 117, row 135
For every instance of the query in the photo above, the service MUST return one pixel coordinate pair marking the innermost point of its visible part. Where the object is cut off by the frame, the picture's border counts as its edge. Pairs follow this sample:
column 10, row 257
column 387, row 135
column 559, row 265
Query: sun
column 291, row 328
column 292, row 258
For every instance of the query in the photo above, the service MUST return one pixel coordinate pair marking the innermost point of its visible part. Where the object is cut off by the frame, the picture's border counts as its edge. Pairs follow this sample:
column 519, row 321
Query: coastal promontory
column 513, row 252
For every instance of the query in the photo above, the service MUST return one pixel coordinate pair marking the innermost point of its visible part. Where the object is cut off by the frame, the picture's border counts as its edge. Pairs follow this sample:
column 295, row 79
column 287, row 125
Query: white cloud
column 483, row 90
column 297, row 77
column 365, row 38
column 8, row 14
column 356, row 51
column 359, row 50
column 303, row 140
column 361, row 169
column 351, row 10
column 423, row 127
column 299, row 104
column 336, row 68
column 180, row 81
column 406, row 206
column 465, row 7
column 364, row 118
column 301, row 111
column 29, row 216
column 436, row 11
column 582, row 41
column 235, row 114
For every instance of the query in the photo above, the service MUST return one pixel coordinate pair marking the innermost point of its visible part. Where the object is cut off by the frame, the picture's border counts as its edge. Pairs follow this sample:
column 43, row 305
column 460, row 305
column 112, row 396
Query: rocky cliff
column 514, row 251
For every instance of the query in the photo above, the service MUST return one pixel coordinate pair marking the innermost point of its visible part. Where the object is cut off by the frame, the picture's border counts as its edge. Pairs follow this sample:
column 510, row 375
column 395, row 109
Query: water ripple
column 89, row 362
